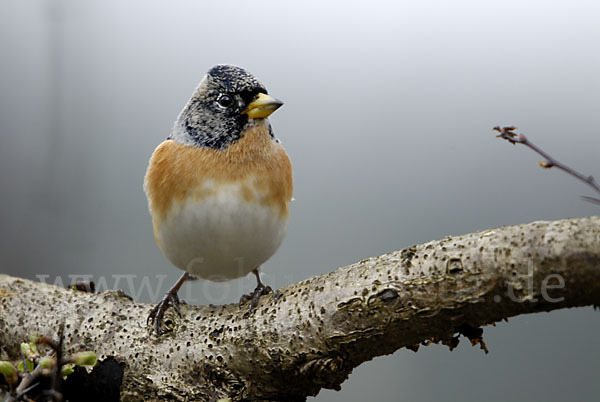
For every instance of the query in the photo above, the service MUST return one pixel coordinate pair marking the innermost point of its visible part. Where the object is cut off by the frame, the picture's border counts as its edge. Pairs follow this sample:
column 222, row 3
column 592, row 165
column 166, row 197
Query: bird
column 219, row 187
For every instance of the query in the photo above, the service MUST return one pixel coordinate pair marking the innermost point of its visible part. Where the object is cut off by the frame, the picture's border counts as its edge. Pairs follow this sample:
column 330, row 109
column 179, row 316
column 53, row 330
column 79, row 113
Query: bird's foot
column 158, row 312
column 253, row 297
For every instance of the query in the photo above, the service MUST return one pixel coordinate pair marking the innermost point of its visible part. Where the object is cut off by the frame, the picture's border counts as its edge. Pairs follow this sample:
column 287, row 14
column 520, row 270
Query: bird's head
column 227, row 101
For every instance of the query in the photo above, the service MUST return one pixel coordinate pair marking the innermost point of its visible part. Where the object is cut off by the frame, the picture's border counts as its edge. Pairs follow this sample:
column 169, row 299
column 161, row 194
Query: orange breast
column 177, row 172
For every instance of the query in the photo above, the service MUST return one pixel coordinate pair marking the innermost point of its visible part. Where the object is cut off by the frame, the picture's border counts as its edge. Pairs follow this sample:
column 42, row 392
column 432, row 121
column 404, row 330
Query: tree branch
column 508, row 133
column 318, row 330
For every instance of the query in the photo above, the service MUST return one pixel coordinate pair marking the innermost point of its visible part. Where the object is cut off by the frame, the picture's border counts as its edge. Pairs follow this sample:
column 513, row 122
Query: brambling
column 219, row 187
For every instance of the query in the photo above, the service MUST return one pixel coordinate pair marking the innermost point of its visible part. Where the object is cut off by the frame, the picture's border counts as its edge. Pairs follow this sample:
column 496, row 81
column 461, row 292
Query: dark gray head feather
column 207, row 120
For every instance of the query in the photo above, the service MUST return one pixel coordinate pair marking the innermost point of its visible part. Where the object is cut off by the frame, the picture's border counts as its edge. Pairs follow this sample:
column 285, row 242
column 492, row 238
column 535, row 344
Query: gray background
column 388, row 117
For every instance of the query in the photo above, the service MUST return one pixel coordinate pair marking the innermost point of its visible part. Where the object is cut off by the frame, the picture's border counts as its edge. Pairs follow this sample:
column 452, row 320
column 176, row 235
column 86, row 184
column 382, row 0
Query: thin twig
column 56, row 374
column 508, row 134
column 21, row 395
column 591, row 199
column 27, row 380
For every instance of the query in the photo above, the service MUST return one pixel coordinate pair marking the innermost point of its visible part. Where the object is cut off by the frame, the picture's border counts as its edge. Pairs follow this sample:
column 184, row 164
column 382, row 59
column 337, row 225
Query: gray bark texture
column 310, row 335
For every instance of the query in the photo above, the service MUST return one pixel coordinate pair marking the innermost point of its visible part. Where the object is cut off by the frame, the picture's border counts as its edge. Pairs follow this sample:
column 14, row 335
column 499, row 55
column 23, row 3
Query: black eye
column 225, row 100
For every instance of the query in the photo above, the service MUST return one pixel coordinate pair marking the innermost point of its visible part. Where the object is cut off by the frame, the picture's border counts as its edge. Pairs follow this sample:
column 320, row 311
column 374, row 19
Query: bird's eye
column 225, row 101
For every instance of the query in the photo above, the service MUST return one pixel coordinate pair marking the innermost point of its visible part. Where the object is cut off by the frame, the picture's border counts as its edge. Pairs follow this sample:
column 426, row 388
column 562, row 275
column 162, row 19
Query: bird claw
column 157, row 313
column 255, row 295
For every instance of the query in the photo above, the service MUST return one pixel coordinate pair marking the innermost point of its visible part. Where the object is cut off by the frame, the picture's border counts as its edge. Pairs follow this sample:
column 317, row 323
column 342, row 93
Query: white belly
column 221, row 236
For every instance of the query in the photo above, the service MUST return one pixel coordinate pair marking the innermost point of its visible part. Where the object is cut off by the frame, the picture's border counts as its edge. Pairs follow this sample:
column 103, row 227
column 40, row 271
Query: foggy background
column 387, row 119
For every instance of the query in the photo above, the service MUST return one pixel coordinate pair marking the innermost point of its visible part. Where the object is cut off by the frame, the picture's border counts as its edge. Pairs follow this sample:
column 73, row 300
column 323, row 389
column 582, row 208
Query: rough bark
column 318, row 330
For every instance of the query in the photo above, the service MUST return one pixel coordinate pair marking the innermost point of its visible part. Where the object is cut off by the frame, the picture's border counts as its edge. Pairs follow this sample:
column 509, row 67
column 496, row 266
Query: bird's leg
column 260, row 290
column 156, row 315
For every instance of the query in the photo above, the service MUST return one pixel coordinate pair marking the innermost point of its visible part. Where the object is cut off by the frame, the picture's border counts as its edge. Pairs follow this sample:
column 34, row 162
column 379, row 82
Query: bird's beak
column 262, row 106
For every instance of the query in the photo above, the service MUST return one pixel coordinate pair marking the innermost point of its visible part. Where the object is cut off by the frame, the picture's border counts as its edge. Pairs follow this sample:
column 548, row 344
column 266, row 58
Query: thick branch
column 318, row 330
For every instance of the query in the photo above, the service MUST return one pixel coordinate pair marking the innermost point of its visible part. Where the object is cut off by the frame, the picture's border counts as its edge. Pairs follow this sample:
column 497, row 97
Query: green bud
column 66, row 370
column 84, row 359
column 9, row 372
column 25, row 348
column 47, row 362
column 29, row 350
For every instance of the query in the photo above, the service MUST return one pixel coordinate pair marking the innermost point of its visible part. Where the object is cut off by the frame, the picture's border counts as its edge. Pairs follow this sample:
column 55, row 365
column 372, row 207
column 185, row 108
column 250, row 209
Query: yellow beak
column 262, row 106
